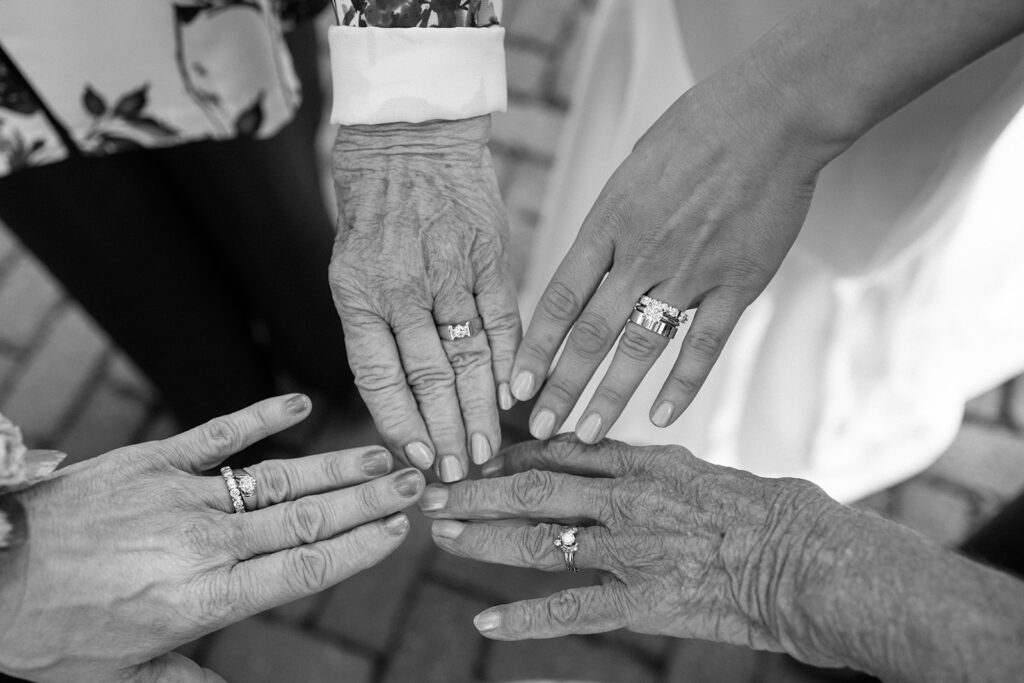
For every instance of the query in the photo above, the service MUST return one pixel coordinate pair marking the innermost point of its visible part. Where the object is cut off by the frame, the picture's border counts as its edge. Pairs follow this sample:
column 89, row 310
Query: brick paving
column 409, row 619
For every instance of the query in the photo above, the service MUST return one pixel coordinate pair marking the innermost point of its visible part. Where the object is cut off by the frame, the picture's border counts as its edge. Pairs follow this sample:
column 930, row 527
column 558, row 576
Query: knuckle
column 307, row 519
column 369, row 500
column 311, row 569
column 464, row 360
column 684, row 384
column 431, row 378
column 638, row 344
column 275, row 481
column 564, row 609
column 610, row 396
column 222, row 435
column 536, row 547
column 560, row 301
column 590, row 336
column 705, row 344
column 530, row 489
column 334, row 470
column 375, row 378
column 504, row 322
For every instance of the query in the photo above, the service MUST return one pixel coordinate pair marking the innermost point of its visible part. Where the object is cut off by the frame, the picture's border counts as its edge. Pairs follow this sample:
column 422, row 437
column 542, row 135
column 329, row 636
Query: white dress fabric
column 902, row 298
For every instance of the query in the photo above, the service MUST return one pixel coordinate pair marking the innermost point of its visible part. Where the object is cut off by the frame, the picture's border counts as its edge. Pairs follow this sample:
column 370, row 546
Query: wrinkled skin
column 700, row 215
column 132, row 553
column 686, row 548
column 423, row 240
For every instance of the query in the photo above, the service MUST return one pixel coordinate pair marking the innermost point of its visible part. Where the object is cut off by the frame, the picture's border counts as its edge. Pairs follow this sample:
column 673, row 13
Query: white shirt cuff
column 389, row 75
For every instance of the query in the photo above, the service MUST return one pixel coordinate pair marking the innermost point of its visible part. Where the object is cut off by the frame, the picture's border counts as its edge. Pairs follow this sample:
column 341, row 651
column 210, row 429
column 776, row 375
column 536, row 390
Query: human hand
column 422, row 241
column 687, row 548
column 700, row 215
column 131, row 554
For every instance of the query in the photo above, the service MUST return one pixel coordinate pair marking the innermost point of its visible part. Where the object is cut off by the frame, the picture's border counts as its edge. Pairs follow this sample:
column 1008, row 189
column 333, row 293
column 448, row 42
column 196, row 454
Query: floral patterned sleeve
column 389, row 63
column 19, row 469
column 417, row 13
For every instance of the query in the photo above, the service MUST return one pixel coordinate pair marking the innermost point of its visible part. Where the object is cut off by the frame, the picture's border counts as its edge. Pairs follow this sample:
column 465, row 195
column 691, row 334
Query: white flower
column 13, row 469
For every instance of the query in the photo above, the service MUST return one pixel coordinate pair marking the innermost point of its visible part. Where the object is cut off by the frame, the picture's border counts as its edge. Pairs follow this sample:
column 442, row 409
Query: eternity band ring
column 233, row 490
column 459, row 330
column 567, row 543
column 657, row 316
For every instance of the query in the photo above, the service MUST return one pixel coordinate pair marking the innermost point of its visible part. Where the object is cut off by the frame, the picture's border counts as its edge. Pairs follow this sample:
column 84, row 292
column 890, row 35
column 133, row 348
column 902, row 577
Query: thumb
column 171, row 668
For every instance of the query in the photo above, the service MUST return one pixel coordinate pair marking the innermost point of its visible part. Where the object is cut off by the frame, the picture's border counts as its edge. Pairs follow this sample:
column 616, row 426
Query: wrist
column 465, row 138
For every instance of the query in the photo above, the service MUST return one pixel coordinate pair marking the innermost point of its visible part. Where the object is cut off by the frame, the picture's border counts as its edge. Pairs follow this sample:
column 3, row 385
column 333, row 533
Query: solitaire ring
column 459, row 330
column 233, row 491
column 247, row 487
column 657, row 316
column 566, row 542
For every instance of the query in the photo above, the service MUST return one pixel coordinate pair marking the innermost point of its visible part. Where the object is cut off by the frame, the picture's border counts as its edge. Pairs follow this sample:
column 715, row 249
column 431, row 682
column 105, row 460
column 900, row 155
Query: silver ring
column 236, row 495
column 657, row 316
column 566, row 542
column 459, row 330
column 247, row 487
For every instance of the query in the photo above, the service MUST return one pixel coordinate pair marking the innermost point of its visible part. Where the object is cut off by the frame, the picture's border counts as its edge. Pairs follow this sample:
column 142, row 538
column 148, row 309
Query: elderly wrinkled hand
column 689, row 549
column 422, row 245
column 133, row 553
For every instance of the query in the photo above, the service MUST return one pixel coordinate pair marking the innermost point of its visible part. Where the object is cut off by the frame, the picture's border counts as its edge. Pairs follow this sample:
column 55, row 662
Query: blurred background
column 69, row 388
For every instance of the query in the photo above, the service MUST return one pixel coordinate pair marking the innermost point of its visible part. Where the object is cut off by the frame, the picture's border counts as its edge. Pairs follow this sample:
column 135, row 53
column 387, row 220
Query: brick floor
column 410, row 618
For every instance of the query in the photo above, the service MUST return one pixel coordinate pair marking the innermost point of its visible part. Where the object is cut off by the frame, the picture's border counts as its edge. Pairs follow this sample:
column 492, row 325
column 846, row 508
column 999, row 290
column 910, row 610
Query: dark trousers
column 207, row 263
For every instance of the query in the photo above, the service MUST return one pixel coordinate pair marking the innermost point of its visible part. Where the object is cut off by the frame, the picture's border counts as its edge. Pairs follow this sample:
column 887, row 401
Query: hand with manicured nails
column 133, row 553
column 700, row 215
column 422, row 241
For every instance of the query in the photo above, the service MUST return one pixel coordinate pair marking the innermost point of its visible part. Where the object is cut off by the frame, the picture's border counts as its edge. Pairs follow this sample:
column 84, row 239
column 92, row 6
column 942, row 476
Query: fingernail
column 448, row 528
column 376, row 463
column 297, row 404
column 481, row 449
column 451, row 469
column 522, row 386
column 434, row 498
column 588, row 428
column 542, row 424
column 505, row 399
column 408, row 483
column 663, row 414
column 493, row 467
column 396, row 525
column 487, row 621
column 420, row 455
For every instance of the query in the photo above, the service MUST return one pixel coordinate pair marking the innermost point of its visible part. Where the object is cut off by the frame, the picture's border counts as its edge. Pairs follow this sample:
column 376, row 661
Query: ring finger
column 314, row 518
column 524, row 546
column 638, row 349
column 278, row 481
column 466, row 343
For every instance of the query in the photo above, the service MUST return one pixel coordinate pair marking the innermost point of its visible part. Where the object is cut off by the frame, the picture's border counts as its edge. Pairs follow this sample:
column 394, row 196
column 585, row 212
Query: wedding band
column 657, row 316
column 459, row 330
column 567, row 543
column 247, row 487
column 236, row 495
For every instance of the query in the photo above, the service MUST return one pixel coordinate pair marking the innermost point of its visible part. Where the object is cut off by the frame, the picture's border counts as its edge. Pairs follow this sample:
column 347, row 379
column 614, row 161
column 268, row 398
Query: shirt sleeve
column 416, row 61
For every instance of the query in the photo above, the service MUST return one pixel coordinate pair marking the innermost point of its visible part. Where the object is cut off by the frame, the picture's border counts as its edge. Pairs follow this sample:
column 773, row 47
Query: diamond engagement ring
column 247, row 487
column 233, row 489
column 566, row 542
column 459, row 330
column 657, row 316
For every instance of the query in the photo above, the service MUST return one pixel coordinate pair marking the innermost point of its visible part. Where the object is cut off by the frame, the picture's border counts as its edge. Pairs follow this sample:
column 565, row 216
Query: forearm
column 882, row 599
column 836, row 69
